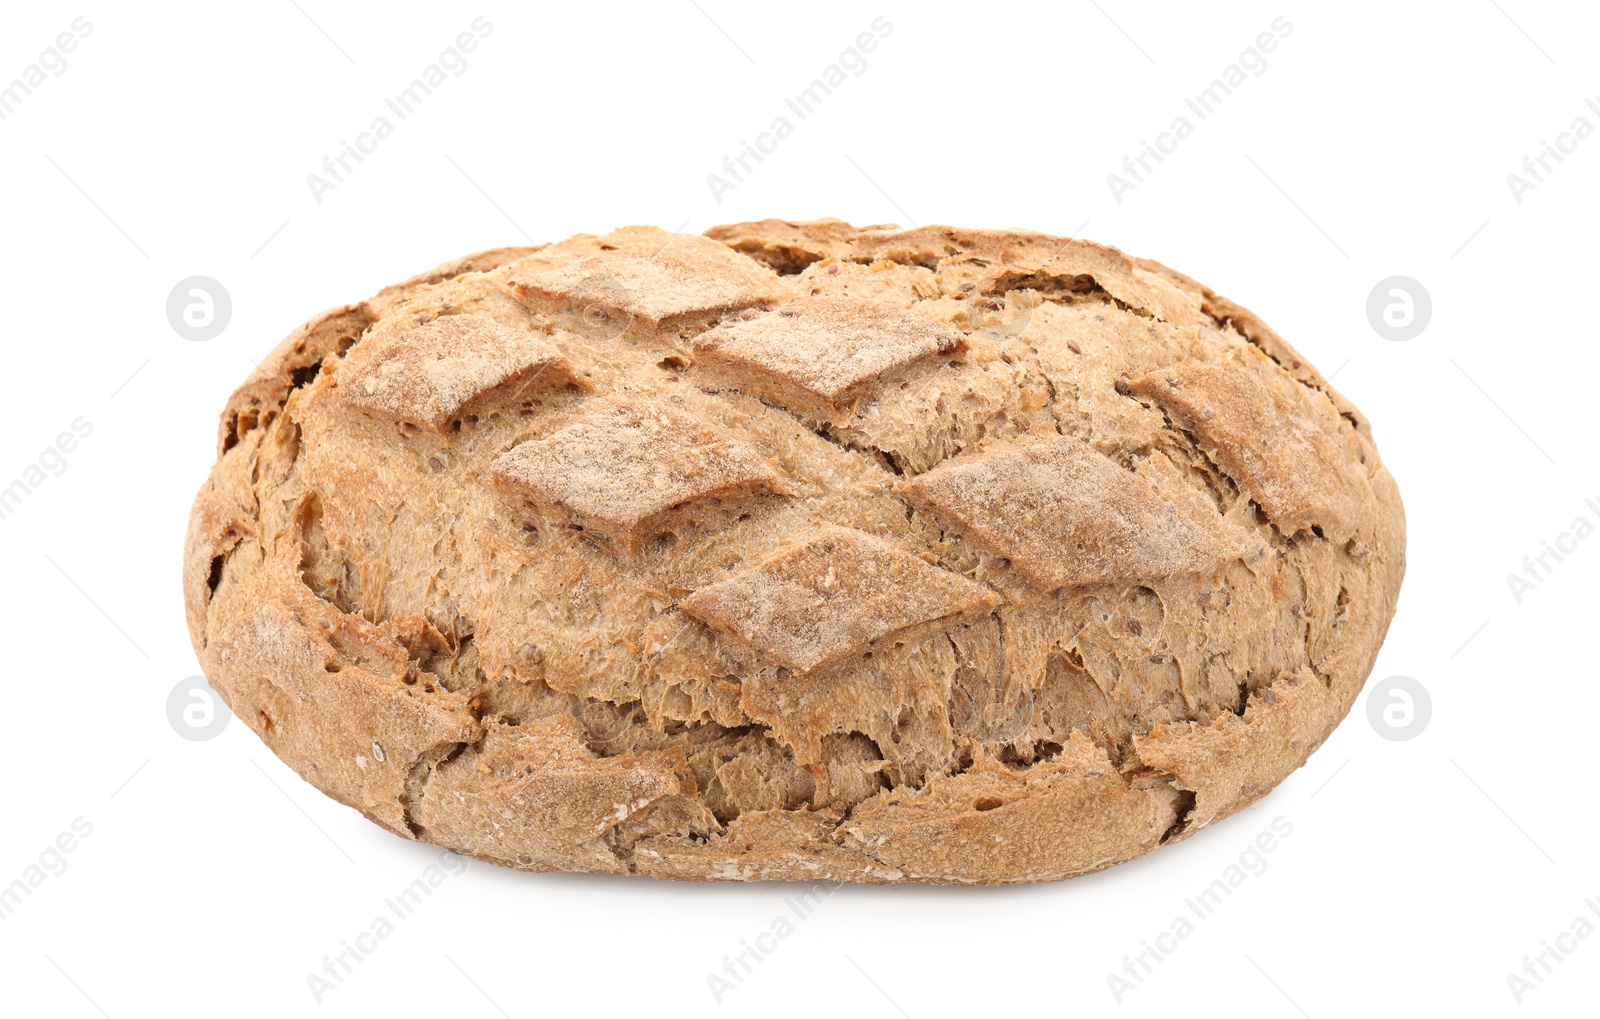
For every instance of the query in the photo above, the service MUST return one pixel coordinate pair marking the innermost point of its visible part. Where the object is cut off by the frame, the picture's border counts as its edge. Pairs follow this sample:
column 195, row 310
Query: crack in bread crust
column 1017, row 560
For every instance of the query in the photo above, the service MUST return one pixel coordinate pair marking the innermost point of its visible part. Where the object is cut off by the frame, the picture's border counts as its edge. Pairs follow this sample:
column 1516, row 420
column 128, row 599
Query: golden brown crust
column 796, row 551
column 435, row 373
column 787, row 245
column 817, row 356
column 629, row 472
column 835, row 594
column 1066, row 515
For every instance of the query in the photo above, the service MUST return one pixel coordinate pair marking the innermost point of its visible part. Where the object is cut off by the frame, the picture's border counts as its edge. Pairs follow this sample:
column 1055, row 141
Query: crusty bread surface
column 793, row 551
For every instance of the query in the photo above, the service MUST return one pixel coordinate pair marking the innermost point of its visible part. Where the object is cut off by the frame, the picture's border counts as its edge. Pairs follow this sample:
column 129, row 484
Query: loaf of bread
column 793, row 551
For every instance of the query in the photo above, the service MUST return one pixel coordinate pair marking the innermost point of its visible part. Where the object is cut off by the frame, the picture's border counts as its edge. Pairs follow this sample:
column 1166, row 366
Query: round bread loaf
column 794, row 551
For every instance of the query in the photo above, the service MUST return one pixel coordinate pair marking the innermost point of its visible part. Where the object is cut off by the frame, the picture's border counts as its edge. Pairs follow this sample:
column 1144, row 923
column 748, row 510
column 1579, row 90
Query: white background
column 1377, row 142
